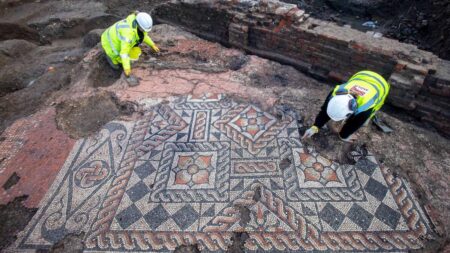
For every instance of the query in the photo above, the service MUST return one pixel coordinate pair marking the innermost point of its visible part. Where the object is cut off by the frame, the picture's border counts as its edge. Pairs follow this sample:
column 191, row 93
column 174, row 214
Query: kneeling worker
column 121, row 40
column 354, row 102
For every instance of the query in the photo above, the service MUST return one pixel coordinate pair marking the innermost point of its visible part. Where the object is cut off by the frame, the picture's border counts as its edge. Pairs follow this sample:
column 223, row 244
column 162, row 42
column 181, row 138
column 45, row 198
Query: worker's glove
column 127, row 72
column 155, row 49
column 310, row 132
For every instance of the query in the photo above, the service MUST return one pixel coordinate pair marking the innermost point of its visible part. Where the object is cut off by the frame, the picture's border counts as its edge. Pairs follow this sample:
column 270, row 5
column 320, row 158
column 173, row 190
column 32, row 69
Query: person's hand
column 310, row 132
column 156, row 49
column 127, row 72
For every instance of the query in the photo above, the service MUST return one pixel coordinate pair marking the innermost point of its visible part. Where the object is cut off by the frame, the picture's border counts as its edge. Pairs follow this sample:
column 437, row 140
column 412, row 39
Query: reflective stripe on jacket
column 370, row 89
column 120, row 38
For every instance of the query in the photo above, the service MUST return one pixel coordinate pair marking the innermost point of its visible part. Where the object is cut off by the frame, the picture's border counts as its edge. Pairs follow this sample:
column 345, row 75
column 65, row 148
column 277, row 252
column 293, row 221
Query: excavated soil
column 12, row 31
column 13, row 218
column 187, row 249
column 238, row 241
column 30, row 99
column 71, row 243
column 103, row 75
column 85, row 116
column 423, row 23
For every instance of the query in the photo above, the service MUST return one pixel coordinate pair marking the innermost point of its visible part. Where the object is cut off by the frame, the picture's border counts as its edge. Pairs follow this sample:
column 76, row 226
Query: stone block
column 299, row 13
column 404, row 81
column 281, row 11
column 401, row 98
column 238, row 34
column 441, row 123
column 427, row 108
column 440, row 88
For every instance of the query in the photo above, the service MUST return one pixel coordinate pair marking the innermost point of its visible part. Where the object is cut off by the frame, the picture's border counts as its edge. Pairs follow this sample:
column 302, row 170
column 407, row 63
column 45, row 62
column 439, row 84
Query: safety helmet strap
column 352, row 105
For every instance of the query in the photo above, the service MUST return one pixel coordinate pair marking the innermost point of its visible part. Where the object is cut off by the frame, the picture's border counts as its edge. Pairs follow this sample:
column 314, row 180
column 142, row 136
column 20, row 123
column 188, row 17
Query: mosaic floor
column 198, row 169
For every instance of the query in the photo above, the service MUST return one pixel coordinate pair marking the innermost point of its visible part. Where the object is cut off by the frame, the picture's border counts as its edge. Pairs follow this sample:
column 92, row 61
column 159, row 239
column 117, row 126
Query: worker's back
column 369, row 88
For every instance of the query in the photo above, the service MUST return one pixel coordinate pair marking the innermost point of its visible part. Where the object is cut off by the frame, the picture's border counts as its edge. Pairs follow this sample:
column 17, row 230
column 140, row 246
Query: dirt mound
column 28, row 100
column 12, row 78
column 27, row 82
column 12, row 31
column 72, row 28
column 85, row 116
column 103, row 74
column 92, row 38
column 15, row 48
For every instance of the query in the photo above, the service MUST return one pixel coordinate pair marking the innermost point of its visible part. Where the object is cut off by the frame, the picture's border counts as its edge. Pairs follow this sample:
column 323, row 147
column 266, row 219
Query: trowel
column 381, row 125
column 132, row 81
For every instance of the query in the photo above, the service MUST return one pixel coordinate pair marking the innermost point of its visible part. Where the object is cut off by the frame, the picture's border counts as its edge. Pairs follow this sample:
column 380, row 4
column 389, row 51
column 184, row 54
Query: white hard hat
column 144, row 21
column 341, row 107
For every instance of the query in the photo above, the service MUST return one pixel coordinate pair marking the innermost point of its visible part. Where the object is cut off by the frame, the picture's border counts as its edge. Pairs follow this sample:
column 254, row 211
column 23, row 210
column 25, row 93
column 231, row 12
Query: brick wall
column 282, row 32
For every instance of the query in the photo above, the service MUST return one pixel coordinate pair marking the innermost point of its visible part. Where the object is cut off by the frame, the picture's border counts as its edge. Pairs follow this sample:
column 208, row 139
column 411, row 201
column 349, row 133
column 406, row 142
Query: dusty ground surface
column 52, row 94
column 423, row 23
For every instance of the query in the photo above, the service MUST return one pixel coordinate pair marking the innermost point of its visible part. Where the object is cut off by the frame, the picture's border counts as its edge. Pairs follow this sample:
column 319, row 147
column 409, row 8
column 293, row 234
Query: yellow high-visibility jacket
column 370, row 88
column 120, row 38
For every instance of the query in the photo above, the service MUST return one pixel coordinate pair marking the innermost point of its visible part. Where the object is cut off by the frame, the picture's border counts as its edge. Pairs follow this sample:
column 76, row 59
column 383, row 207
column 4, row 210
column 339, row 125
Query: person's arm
column 354, row 123
column 322, row 118
column 125, row 47
column 150, row 43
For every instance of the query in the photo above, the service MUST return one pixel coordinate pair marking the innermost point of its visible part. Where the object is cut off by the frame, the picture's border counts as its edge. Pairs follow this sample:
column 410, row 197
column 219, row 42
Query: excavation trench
column 87, row 94
column 421, row 23
column 420, row 80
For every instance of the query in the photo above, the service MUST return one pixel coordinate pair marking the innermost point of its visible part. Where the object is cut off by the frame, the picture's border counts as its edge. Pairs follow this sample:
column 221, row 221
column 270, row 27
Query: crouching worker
column 121, row 41
column 354, row 102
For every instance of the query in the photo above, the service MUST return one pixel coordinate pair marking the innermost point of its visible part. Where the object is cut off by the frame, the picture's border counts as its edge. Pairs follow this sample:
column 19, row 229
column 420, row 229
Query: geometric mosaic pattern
column 199, row 169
